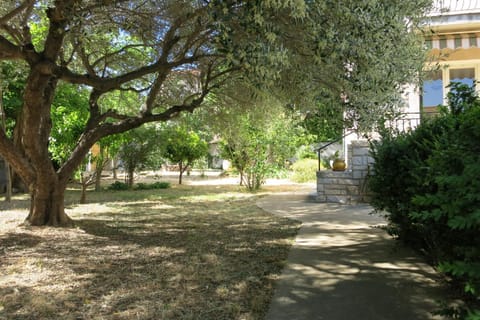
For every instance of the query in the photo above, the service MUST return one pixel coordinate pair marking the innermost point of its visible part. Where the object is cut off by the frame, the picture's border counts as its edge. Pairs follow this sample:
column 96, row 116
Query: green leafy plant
column 305, row 170
column 155, row 185
column 183, row 147
column 427, row 181
column 117, row 185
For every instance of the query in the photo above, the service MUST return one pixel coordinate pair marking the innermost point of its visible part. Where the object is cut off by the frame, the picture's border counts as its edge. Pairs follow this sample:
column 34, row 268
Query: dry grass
column 190, row 252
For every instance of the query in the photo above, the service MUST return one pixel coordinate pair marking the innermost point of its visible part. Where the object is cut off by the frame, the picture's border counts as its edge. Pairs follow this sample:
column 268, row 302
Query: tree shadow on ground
column 343, row 267
column 201, row 262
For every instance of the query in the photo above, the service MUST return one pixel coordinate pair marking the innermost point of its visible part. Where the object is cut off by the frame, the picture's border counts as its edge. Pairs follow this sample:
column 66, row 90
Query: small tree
column 183, row 147
column 258, row 143
column 87, row 177
column 250, row 154
column 134, row 152
column 258, row 132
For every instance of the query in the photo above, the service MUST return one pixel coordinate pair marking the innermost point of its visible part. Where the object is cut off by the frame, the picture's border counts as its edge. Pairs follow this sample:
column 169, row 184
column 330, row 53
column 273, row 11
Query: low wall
column 347, row 186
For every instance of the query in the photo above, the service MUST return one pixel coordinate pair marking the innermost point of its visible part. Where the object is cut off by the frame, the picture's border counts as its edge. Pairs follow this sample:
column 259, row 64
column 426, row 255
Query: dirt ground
column 202, row 250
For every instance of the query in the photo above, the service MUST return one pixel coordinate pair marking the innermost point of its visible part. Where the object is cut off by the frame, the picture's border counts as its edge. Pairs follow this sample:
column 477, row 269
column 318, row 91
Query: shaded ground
column 344, row 266
column 190, row 252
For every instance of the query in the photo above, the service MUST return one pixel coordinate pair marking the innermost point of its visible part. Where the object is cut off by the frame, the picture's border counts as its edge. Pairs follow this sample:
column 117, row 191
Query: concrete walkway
column 342, row 266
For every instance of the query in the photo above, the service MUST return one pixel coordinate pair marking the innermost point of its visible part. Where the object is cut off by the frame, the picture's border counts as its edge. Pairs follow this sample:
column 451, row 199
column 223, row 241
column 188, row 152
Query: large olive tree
column 173, row 54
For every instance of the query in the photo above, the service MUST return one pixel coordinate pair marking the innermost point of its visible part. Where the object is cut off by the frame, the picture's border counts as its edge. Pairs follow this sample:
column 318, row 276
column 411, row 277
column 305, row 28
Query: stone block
column 359, row 174
column 347, row 182
column 359, row 168
column 327, row 181
column 330, row 174
column 337, row 199
column 353, row 190
column 335, row 191
column 361, row 152
column 356, row 161
column 321, row 198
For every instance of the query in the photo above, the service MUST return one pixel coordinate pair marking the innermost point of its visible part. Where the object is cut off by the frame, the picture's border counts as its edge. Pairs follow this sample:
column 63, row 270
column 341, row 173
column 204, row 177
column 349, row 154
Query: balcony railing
column 454, row 7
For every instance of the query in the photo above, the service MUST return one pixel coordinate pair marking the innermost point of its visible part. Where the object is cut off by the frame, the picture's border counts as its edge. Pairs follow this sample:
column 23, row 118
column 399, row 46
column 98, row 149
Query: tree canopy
column 173, row 54
column 183, row 147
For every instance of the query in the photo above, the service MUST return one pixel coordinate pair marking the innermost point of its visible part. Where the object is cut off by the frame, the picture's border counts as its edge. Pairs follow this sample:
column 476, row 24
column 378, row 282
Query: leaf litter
column 183, row 253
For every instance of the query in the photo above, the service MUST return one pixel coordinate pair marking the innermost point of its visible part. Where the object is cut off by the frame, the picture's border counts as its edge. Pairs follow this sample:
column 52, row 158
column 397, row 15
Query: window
column 443, row 43
column 435, row 84
column 473, row 41
column 428, row 44
column 464, row 75
column 458, row 42
column 432, row 94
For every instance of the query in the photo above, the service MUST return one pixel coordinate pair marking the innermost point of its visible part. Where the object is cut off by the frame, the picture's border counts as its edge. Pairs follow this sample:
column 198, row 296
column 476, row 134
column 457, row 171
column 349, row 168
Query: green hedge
column 428, row 181
column 155, row 185
column 117, row 185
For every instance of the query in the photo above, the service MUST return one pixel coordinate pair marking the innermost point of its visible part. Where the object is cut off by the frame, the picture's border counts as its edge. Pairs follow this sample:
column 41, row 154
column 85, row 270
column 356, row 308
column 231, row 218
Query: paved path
column 343, row 267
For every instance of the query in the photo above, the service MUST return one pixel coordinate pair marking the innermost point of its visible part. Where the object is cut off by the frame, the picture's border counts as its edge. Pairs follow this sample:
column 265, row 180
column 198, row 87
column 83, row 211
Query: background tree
column 259, row 148
column 134, row 151
column 183, row 148
column 12, row 83
column 69, row 115
column 258, row 132
column 362, row 49
column 325, row 119
column 87, row 177
column 5, row 167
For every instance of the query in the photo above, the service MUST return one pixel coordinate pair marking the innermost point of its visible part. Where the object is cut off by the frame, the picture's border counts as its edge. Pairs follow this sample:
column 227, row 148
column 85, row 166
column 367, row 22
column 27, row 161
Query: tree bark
column 8, row 175
column 130, row 178
column 114, row 168
column 28, row 153
column 47, row 206
column 83, row 196
column 182, row 170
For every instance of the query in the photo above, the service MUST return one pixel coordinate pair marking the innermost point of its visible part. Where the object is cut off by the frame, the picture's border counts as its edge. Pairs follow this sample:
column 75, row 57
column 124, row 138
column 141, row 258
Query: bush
column 117, row 185
column 428, row 182
column 305, row 170
column 155, row 185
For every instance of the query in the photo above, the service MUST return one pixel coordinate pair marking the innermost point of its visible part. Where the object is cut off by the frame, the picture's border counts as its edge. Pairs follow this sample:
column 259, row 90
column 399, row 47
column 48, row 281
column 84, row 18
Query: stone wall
column 347, row 186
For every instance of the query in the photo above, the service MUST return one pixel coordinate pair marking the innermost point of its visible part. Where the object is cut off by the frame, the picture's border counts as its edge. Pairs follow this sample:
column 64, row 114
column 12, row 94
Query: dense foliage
column 428, row 182
column 117, row 185
column 182, row 147
column 258, row 135
column 135, row 150
column 169, row 57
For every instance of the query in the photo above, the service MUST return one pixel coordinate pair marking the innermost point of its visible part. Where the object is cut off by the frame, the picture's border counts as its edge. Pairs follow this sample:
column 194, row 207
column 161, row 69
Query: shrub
column 305, row 170
column 428, row 182
column 155, row 185
column 117, row 185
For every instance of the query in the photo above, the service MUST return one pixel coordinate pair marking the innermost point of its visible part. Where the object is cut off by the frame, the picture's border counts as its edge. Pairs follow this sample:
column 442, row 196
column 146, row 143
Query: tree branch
column 6, row 18
column 15, row 158
column 10, row 51
column 97, row 130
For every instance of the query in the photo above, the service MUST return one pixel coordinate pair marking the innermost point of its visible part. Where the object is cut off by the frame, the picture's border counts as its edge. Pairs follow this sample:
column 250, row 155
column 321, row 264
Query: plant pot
column 339, row 165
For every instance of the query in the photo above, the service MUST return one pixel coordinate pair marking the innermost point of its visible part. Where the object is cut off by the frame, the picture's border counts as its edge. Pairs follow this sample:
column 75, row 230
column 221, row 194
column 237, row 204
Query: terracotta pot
column 339, row 165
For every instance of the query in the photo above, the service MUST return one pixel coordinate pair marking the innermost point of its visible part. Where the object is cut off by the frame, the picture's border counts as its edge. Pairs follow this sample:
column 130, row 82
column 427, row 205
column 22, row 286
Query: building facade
column 452, row 35
column 454, row 42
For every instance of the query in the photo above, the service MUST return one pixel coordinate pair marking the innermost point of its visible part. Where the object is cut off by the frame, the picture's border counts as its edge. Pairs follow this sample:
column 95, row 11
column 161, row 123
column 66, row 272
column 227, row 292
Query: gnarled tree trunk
column 47, row 205
column 53, row 60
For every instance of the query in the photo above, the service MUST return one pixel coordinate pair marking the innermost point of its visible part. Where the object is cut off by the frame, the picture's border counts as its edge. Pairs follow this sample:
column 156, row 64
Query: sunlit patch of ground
column 189, row 252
